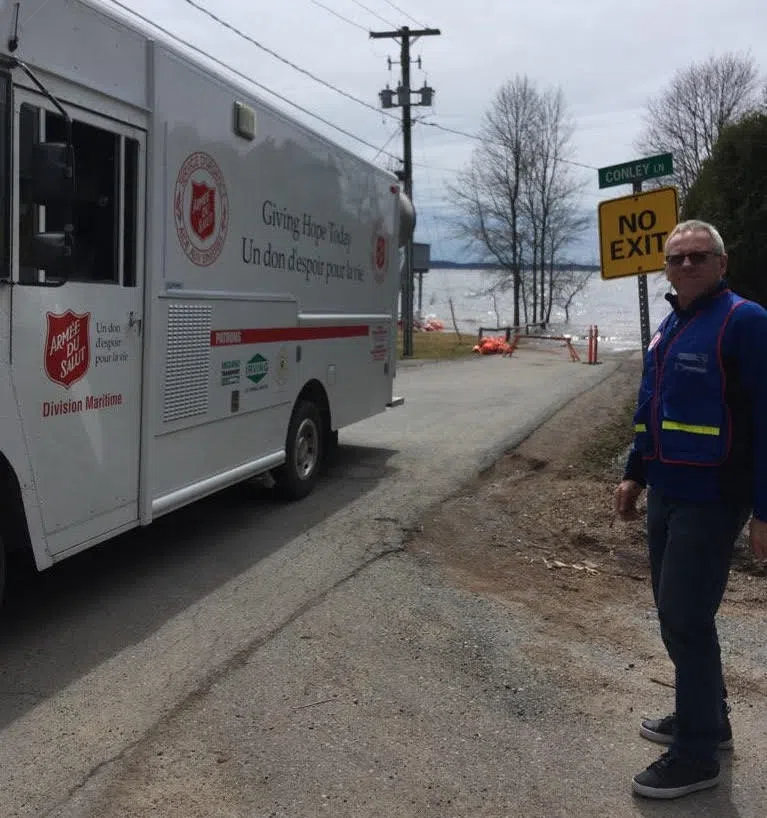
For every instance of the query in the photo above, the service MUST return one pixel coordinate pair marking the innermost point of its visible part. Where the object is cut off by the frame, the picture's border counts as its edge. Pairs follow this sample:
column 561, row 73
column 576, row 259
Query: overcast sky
column 608, row 57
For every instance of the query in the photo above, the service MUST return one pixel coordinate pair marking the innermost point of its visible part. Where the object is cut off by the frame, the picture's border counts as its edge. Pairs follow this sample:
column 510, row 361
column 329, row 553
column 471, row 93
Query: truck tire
column 304, row 449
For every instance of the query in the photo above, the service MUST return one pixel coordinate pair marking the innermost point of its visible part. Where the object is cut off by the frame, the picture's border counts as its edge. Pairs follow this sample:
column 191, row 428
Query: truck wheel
column 303, row 450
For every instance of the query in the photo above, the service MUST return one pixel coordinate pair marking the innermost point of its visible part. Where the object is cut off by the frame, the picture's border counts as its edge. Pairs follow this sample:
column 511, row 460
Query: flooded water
column 612, row 305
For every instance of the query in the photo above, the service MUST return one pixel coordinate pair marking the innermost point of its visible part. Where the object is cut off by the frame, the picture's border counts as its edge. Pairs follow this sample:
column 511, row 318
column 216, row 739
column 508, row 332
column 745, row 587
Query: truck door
column 76, row 349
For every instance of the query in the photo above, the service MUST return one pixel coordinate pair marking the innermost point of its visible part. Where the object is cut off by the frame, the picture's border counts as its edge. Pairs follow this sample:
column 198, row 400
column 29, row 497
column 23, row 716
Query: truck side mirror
column 50, row 175
column 48, row 178
column 51, row 252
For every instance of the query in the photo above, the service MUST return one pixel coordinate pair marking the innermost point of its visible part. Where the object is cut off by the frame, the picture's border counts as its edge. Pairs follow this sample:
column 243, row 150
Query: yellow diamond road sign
column 633, row 232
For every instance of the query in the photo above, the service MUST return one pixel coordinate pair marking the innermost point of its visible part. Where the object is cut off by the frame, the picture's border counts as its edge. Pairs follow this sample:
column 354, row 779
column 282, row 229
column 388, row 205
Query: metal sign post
column 644, row 301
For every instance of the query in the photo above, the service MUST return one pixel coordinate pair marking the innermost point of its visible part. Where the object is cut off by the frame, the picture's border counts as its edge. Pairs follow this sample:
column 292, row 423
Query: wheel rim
column 307, row 449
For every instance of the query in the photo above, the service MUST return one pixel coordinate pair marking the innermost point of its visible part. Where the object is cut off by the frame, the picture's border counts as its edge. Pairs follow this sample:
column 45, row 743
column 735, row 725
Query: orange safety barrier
column 593, row 343
column 505, row 344
column 574, row 356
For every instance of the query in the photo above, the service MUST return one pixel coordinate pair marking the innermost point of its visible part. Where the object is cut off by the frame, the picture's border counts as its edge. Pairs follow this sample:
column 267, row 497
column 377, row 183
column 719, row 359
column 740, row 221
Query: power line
column 282, row 59
column 578, row 164
column 479, row 139
column 340, row 16
column 394, row 133
column 452, row 130
column 402, row 11
column 248, row 79
column 374, row 13
column 434, row 167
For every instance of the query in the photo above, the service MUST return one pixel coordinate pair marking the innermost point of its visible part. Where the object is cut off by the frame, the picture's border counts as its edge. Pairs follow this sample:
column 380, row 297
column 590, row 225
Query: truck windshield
column 5, row 176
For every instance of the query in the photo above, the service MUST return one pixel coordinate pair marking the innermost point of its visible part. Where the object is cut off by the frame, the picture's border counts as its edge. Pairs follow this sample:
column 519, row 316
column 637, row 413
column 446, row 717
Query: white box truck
column 195, row 289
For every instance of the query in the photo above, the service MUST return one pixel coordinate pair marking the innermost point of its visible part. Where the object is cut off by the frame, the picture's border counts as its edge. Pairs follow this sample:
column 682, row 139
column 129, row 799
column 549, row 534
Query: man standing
column 700, row 447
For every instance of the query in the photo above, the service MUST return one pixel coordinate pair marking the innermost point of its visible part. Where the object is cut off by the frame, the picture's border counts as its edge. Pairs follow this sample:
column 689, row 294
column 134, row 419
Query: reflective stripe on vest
column 673, row 426
column 640, row 427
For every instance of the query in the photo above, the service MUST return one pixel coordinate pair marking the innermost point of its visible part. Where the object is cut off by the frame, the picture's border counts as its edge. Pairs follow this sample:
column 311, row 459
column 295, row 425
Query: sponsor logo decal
column 230, row 373
column 256, row 369
column 67, row 347
column 379, row 342
column 201, row 209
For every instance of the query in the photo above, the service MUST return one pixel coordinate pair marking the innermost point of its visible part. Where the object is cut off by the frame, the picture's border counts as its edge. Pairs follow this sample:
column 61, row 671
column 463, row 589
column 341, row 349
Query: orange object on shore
column 495, row 346
column 432, row 325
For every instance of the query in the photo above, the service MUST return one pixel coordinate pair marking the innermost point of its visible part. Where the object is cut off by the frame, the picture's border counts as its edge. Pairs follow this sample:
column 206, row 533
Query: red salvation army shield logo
column 67, row 347
column 201, row 209
column 380, row 252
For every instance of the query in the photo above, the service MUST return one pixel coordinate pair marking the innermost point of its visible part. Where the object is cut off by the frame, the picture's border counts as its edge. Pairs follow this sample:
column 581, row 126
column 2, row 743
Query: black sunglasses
column 696, row 257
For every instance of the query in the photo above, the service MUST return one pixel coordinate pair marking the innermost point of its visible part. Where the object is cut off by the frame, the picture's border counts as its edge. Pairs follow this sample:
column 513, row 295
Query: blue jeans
column 691, row 547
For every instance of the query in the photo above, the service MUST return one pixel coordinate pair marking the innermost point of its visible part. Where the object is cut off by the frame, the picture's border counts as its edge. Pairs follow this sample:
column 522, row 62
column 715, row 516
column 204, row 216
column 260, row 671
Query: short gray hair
column 693, row 225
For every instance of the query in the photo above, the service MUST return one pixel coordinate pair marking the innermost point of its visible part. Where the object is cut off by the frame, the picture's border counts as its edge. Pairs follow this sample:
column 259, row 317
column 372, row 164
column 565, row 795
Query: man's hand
column 626, row 501
column 758, row 538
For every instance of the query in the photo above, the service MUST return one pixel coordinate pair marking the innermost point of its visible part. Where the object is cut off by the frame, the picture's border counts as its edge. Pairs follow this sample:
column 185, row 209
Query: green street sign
column 637, row 171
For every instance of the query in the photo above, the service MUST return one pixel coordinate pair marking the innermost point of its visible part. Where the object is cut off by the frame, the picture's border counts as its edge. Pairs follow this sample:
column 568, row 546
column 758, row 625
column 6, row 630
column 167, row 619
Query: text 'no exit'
column 633, row 230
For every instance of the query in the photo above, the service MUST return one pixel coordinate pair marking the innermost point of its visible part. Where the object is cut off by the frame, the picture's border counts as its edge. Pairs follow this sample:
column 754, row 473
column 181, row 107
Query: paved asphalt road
column 245, row 658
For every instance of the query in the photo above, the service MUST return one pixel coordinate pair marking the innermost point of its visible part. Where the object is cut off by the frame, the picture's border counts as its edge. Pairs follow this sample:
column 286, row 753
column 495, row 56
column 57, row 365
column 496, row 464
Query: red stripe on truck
column 236, row 337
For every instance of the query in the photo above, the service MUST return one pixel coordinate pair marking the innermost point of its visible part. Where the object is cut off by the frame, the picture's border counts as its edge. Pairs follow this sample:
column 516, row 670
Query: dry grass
column 608, row 442
column 438, row 345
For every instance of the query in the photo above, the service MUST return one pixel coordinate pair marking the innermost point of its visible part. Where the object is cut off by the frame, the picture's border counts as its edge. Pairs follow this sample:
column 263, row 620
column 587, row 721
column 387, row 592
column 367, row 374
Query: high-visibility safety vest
column 682, row 416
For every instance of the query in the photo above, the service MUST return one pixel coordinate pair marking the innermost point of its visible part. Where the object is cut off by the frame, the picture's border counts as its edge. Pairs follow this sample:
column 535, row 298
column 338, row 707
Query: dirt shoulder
column 537, row 533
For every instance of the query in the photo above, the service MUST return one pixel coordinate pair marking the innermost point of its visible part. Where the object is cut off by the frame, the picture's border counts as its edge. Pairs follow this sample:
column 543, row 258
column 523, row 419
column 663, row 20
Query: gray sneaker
column 661, row 731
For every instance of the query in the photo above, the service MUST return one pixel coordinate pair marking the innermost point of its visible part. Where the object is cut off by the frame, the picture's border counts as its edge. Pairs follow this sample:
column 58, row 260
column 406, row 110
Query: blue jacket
column 701, row 419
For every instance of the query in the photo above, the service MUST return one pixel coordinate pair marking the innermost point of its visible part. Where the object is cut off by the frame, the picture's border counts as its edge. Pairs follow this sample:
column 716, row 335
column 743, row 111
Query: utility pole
column 404, row 101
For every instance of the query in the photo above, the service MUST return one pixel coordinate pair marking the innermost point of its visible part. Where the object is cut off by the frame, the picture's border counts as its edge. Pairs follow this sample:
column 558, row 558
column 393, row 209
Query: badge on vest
column 692, row 362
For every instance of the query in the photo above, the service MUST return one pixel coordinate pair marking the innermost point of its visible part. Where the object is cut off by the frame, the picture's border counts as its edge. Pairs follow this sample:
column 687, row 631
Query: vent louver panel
column 187, row 369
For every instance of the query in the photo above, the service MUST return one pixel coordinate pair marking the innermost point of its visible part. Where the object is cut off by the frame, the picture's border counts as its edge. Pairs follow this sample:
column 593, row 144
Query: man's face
column 692, row 277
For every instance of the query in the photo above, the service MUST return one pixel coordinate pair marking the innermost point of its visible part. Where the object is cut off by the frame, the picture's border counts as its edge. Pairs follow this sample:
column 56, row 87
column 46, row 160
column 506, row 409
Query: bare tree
column 489, row 192
column 552, row 198
column 701, row 99
column 515, row 186
column 567, row 283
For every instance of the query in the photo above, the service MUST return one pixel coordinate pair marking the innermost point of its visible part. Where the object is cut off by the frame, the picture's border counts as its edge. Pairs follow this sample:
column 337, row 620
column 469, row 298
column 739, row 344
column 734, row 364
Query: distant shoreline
column 441, row 264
